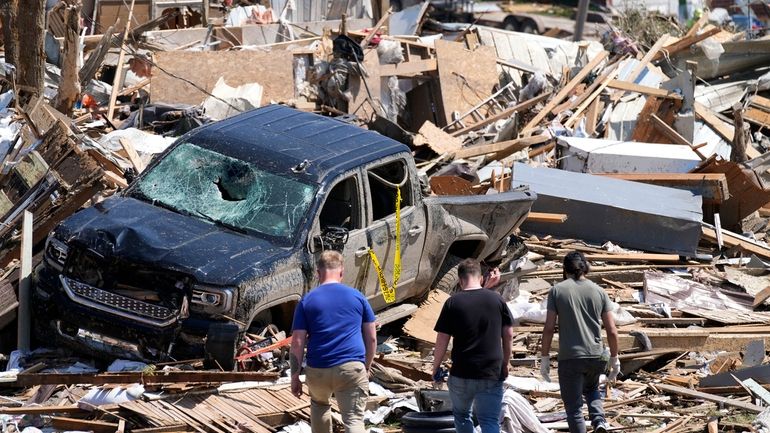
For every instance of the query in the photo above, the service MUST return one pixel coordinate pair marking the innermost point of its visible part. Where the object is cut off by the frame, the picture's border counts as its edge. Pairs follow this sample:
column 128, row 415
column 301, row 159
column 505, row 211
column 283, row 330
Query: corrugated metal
column 600, row 209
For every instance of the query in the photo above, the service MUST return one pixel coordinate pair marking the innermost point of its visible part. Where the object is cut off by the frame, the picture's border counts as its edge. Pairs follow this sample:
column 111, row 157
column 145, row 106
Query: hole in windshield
column 244, row 197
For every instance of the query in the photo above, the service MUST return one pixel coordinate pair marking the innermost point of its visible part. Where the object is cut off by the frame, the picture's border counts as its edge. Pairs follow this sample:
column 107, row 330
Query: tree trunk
column 31, row 60
column 69, row 88
column 9, row 10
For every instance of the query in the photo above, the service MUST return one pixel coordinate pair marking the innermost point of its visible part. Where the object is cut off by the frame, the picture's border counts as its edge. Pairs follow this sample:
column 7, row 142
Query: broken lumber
column 67, row 424
column 731, row 239
column 644, row 90
column 138, row 377
column 502, row 149
column 547, row 218
column 708, row 397
column 684, row 43
column 503, row 114
column 566, row 90
column 711, row 186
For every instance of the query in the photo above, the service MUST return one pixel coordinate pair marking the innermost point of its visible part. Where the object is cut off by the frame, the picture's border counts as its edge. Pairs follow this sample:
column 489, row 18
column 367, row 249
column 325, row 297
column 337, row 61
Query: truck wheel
column 510, row 24
column 447, row 279
column 529, row 26
column 220, row 346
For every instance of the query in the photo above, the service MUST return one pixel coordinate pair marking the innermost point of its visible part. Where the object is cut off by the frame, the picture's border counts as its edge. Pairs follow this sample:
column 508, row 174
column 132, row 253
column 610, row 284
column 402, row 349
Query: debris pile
column 650, row 156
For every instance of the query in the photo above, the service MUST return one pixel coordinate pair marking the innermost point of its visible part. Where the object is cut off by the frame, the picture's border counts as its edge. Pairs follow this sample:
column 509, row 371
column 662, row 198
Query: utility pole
column 580, row 22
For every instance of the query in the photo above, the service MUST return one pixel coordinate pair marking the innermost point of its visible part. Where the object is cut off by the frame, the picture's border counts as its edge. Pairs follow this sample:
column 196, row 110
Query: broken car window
column 227, row 191
column 383, row 183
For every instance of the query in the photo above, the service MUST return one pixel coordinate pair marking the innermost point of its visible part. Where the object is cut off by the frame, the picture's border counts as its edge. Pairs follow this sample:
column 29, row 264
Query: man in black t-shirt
column 481, row 326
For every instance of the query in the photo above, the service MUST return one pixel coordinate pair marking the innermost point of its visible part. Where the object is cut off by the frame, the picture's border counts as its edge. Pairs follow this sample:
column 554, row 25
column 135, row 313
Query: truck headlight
column 209, row 299
column 56, row 252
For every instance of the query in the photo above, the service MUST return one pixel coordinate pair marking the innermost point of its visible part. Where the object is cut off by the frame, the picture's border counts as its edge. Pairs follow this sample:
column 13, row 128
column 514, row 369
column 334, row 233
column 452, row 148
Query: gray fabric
column 579, row 306
column 579, row 378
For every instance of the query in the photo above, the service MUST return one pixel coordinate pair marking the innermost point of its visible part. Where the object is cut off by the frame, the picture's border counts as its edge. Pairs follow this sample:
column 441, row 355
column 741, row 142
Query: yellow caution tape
column 389, row 291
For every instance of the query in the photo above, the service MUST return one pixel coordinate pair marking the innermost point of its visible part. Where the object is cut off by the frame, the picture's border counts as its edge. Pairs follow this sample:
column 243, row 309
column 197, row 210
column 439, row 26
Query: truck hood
column 136, row 231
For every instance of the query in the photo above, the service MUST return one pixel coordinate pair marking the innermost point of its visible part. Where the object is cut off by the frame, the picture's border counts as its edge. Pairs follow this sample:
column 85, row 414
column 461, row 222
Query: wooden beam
column 566, row 90
column 731, row 239
column 721, row 127
column 117, row 378
column 133, row 156
column 668, row 131
column 708, row 397
column 672, row 321
column 595, row 94
column 117, row 83
column 712, row 186
column 761, row 297
column 503, row 148
column 548, row 218
column 61, row 423
column 41, row 410
column 684, row 43
column 647, row 58
column 503, row 114
column 644, row 90
column 631, row 258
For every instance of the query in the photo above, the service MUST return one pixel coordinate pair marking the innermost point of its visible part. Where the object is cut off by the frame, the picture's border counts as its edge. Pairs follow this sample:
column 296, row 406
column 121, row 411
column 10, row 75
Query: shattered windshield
column 227, row 191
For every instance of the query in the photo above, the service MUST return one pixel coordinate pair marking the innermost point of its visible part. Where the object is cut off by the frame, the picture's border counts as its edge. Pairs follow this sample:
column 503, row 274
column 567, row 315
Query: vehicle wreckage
column 221, row 232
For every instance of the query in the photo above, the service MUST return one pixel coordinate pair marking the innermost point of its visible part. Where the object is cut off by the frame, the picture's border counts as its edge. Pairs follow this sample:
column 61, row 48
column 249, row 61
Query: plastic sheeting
column 517, row 415
column 226, row 190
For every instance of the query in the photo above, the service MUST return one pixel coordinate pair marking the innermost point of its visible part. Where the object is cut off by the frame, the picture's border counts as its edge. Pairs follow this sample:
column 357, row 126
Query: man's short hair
column 329, row 259
column 469, row 268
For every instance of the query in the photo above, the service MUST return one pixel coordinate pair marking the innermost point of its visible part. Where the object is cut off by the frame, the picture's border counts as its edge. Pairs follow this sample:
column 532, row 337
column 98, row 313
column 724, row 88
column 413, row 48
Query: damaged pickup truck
column 225, row 227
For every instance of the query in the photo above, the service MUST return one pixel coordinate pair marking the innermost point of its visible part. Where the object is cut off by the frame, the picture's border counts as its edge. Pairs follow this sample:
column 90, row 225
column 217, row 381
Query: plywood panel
column 273, row 70
column 466, row 77
column 112, row 10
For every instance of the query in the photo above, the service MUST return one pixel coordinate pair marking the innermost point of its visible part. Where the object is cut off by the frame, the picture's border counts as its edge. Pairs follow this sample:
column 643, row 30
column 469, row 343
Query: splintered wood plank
column 566, row 90
column 644, row 90
column 542, row 217
column 502, row 148
column 420, row 326
column 684, row 43
column 757, row 116
column 466, row 78
column 503, row 114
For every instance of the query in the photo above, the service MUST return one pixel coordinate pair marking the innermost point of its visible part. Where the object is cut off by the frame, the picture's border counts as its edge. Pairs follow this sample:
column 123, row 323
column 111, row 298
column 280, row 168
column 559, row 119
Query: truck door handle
column 362, row 252
column 414, row 231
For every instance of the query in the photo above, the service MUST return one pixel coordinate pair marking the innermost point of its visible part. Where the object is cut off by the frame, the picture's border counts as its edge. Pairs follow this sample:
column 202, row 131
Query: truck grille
column 117, row 304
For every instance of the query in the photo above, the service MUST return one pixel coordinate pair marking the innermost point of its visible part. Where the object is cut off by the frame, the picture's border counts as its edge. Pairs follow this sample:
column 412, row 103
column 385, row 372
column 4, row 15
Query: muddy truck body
column 226, row 225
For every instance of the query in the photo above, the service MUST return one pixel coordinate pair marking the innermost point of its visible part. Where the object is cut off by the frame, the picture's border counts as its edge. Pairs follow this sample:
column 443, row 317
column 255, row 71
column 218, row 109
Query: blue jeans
column 579, row 378
column 484, row 396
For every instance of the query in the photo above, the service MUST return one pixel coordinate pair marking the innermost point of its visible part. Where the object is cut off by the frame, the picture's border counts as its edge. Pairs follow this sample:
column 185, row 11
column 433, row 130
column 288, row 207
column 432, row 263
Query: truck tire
column 510, row 24
column 220, row 346
column 447, row 279
column 428, row 420
column 528, row 26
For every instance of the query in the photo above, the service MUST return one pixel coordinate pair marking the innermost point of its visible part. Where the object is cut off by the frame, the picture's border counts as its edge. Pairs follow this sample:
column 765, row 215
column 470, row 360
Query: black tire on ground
column 432, row 421
column 528, row 26
column 447, row 279
column 407, row 429
column 220, row 346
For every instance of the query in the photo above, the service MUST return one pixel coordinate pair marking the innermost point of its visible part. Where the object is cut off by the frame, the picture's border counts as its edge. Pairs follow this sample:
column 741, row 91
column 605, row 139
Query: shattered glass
column 227, row 191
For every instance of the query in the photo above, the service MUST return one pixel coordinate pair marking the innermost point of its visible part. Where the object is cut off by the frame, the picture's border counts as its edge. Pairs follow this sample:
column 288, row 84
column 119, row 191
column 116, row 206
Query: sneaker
column 601, row 427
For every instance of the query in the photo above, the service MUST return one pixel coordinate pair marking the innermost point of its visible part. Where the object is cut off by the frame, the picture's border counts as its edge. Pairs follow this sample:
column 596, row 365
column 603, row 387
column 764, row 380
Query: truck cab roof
column 282, row 138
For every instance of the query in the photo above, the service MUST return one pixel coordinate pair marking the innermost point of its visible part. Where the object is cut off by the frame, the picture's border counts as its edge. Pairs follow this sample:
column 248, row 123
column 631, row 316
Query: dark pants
column 579, row 378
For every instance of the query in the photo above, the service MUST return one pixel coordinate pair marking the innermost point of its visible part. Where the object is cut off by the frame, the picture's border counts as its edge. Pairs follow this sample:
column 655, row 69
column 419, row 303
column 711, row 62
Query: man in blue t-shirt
column 337, row 323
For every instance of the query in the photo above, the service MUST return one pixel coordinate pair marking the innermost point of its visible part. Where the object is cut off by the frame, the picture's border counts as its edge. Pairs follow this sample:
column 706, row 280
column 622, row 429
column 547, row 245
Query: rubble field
column 652, row 159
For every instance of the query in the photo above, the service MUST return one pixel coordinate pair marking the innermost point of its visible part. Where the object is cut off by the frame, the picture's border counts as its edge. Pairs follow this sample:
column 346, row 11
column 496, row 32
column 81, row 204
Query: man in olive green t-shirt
column 580, row 307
